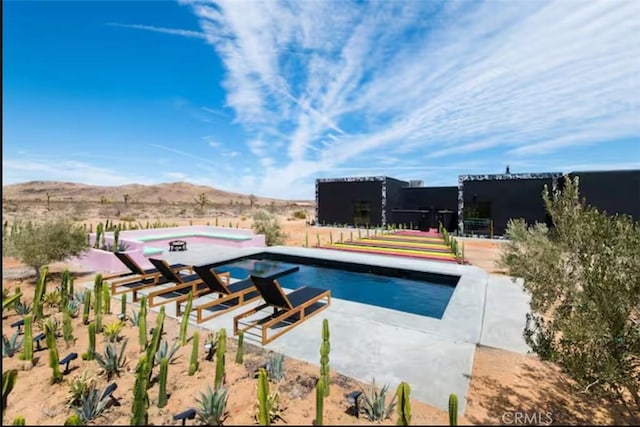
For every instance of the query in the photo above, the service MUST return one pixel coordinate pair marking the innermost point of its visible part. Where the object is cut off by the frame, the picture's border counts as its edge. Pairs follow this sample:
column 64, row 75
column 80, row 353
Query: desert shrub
column 584, row 279
column 40, row 244
column 266, row 223
column 300, row 214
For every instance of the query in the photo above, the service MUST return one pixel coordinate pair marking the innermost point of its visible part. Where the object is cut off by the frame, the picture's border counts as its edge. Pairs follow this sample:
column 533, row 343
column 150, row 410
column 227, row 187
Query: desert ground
column 503, row 384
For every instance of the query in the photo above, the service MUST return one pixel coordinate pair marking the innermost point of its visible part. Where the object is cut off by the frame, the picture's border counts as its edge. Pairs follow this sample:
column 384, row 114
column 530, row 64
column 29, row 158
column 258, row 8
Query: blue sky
column 265, row 97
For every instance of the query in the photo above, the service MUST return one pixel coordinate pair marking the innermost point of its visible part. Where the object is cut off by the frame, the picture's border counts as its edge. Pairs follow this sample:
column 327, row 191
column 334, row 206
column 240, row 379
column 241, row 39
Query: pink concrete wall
column 107, row 262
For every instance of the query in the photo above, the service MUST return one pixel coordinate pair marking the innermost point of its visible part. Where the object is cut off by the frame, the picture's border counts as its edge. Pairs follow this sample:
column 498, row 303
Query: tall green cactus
column 306, row 239
column 193, row 362
column 67, row 328
column 404, row 404
column 325, row 348
column 27, row 349
column 8, row 382
column 123, row 305
column 19, row 421
column 462, row 253
column 41, row 289
column 318, row 239
column 90, row 354
column 53, row 352
column 453, row 410
column 99, row 233
column 154, row 344
column 319, row 402
column 331, row 237
column 240, row 349
column 164, row 369
column 263, row 398
column 86, row 306
column 220, row 356
column 98, row 297
column 73, row 420
column 139, row 415
column 142, row 323
column 116, row 237
column 185, row 319
column 106, row 300
column 64, row 289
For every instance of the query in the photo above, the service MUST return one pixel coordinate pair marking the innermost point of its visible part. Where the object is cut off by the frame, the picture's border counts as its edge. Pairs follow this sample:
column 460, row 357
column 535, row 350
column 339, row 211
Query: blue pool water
column 411, row 296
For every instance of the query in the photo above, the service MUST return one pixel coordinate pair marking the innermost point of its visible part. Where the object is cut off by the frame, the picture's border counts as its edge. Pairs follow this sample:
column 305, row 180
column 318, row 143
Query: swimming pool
column 421, row 297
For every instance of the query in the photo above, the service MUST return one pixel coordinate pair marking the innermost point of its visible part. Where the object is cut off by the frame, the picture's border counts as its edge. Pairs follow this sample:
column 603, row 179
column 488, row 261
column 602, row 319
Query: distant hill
column 175, row 192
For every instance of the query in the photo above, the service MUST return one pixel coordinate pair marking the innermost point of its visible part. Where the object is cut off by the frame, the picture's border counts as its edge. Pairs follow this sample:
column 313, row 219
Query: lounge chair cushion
column 304, row 294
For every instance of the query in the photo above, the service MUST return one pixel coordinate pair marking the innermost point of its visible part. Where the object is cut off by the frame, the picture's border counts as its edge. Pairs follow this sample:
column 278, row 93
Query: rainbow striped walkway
column 411, row 244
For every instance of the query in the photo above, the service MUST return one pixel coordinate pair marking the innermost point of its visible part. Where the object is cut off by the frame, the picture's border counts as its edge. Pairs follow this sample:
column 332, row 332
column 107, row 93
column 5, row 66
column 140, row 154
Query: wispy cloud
column 335, row 81
column 172, row 31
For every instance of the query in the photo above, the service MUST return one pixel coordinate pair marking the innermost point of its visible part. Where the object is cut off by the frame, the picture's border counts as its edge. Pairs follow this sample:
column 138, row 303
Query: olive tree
column 267, row 223
column 583, row 275
column 39, row 244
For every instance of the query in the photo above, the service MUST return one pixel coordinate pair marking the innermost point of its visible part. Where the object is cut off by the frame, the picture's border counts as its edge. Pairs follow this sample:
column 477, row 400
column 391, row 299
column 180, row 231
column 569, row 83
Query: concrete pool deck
column 435, row 356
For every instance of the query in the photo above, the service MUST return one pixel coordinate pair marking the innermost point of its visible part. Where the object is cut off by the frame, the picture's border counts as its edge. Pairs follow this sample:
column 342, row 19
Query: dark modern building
column 480, row 204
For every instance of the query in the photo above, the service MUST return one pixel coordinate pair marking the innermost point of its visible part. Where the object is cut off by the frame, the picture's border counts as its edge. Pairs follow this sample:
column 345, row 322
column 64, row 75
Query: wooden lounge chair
column 139, row 277
column 230, row 295
column 183, row 284
column 291, row 309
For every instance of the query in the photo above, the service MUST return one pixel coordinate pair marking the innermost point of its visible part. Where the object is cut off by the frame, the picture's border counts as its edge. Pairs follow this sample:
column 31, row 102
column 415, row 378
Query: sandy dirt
column 506, row 388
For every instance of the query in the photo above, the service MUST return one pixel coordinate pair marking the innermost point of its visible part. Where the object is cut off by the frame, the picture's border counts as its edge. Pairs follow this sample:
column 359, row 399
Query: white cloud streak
column 172, row 31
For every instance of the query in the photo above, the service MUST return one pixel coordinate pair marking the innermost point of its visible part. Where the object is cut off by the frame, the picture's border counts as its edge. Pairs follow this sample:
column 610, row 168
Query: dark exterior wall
column 394, row 197
column 507, row 199
column 336, row 199
column 433, row 199
column 616, row 192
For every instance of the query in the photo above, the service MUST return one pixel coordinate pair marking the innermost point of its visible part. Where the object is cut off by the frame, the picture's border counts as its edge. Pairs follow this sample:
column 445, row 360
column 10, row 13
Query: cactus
column 64, row 290
column 221, row 349
column 116, row 237
column 185, row 319
column 331, row 237
column 27, row 349
column 193, row 362
column 97, row 306
column 90, row 354
column 123, row 305
column 404, row 404
column 142, row 323
column 139, row 416
column 164, row 368
column 453, row 410
column 319, row 402
column 73, row 420
column 19, row 421
column 359, row 234
column 106, row 300
column 99, row 233
column 240, row 349
column 154, row 345
column 325, row 348
column 462, row 253
column 8, row 382
column 53, row 352
column 341, row 240
column 306, row 239
column 86, row 307
column 41, row 289
column 263, row 396
column 67, row 328
column 318, row 239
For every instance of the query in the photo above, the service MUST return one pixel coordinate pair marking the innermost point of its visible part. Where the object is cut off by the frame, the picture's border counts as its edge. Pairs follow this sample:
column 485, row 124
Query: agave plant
column 79, row 386
column 135, row 318
column 112, row 330
column 374, row 405
column 275, row 367
column 73, row 307
column 22, row 308
column 53, row 298
column 11, row 346
column 212, row 406
column 164, row 351
column 91, row 404
column 78, row 297
column 112, row 361
column 211, row 343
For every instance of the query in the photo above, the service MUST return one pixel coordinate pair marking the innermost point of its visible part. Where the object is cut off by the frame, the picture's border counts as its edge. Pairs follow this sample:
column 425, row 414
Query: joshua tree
column 126, row 198
column 49, row 200
column 252, row 200
column 103, row 200
column 202, row 200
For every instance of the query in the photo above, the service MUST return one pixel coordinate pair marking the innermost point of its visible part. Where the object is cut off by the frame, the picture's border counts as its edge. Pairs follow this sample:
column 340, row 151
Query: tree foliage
column 583, row 275
column 267, row 223
column 39, row 244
